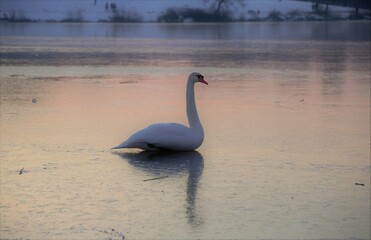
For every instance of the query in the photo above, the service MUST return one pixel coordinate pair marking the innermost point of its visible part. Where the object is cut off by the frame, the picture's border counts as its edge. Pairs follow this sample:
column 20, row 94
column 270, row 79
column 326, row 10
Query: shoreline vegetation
column 197, row 15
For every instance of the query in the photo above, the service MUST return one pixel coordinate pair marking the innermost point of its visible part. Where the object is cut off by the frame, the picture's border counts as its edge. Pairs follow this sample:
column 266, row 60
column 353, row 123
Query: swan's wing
column 167, row 129
column 162, row 136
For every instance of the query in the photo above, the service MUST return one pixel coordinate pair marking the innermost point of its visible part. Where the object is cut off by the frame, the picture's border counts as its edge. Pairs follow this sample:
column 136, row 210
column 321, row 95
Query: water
column 286, row 119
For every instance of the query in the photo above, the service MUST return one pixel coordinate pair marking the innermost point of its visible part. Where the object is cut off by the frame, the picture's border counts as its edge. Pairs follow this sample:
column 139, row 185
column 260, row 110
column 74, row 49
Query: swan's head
column 197, row 77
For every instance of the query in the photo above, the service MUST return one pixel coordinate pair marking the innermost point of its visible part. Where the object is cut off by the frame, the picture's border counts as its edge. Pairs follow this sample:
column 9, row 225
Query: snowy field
column 149, row 10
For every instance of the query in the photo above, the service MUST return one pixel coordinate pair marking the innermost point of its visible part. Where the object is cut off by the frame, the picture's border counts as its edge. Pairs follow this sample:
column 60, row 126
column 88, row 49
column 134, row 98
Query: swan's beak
column 203, row 81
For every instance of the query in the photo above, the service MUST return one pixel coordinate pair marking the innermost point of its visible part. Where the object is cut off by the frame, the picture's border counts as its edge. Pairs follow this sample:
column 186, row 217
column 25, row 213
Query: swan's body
column 172, row 136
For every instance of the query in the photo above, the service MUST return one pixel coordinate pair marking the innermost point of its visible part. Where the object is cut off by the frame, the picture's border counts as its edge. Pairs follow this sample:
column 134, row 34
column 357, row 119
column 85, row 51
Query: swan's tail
column 122, row 145
column 130, row 144
column 117, row 147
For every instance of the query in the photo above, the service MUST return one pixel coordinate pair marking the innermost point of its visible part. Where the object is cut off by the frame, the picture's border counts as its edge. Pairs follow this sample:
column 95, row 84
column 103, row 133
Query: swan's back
column 164, row 136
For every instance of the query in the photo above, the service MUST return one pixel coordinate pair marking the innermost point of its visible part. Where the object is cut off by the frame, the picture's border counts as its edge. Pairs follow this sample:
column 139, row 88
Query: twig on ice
column 157, row 178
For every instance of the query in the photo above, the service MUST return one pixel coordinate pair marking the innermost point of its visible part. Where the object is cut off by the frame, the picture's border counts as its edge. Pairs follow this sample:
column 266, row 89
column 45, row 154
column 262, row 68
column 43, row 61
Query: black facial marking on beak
column 200, row 77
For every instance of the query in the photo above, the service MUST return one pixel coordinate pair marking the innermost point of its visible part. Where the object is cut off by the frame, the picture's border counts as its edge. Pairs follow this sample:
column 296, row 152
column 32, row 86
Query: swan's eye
column 200, row 77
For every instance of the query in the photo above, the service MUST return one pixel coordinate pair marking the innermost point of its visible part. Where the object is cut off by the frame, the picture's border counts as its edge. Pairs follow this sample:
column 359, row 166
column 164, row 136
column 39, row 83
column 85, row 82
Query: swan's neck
column 194, row 121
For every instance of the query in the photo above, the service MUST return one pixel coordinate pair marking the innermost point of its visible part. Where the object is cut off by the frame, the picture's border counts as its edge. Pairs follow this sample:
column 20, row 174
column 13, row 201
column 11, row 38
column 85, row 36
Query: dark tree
column 219, row 6
column 113, row 7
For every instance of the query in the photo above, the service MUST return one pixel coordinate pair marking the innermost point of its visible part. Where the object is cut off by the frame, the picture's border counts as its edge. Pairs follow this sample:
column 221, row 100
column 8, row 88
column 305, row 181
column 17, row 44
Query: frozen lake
column 286, row 116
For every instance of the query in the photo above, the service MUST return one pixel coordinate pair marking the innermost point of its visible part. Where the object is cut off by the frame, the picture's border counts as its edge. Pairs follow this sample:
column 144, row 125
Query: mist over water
column 286, row 116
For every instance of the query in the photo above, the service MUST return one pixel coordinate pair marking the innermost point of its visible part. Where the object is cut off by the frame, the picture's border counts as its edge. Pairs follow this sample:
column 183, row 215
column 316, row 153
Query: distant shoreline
column 156, row 22
column 193, row 16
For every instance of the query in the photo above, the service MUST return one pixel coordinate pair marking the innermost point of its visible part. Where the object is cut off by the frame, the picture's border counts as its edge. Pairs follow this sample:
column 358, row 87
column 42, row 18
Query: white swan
column 172, row 136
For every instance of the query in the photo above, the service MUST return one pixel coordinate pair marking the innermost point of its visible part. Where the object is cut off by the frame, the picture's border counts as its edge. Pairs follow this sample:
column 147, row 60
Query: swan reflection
column 173, row 163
